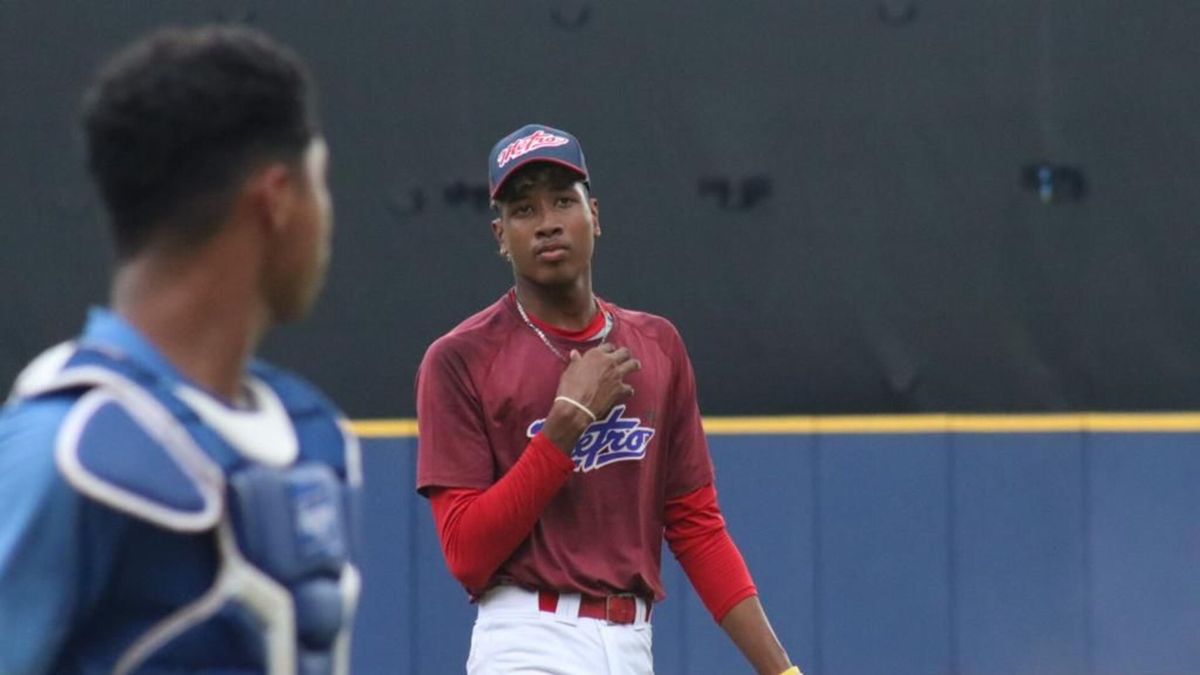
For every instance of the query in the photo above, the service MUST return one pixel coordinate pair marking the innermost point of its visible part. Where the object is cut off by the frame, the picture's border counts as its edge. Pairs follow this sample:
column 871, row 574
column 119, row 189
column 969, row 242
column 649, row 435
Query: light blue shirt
column 80, row 582
column 56, row 546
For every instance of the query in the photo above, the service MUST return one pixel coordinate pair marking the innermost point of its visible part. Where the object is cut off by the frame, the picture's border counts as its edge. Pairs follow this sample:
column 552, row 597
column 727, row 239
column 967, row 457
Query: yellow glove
column 794, row 670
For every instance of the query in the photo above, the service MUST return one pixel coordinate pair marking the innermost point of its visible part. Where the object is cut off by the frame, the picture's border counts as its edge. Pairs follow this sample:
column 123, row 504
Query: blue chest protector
column 239, row 554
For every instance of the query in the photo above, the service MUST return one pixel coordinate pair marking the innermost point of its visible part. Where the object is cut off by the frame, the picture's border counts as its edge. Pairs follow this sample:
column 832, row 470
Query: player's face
column 549, row 233
column 309, row 237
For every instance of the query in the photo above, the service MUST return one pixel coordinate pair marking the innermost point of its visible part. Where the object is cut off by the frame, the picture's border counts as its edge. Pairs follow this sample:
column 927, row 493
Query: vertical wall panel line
column 818, row 604
column 414, row 637
column 952, row 555
column 1089, row 596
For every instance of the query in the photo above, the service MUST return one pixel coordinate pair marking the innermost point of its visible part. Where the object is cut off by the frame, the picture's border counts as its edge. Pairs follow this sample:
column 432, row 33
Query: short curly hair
column 176, row 120
column 538, row 174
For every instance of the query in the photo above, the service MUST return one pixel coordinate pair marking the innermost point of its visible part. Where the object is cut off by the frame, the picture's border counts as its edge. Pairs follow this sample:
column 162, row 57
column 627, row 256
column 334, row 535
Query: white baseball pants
column 513, row 637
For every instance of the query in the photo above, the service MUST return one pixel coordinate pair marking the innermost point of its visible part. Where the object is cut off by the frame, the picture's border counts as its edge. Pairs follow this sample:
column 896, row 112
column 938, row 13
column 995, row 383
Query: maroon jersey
column 483, row 391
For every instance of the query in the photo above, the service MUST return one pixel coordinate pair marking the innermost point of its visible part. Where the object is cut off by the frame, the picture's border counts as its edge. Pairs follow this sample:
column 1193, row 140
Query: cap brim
column 530, row 160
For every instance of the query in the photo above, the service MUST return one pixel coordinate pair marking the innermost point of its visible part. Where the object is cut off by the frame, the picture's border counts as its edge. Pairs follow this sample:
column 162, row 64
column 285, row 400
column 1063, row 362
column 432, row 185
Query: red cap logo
column 526, row 145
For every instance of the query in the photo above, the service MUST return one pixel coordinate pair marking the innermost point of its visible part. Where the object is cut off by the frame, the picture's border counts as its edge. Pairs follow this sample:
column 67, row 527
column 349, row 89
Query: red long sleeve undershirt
column 479, row 529
column 697, row 536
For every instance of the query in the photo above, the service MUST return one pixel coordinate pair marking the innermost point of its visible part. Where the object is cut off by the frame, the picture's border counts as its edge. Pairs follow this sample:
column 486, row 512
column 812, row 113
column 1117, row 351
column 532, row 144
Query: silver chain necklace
column 608, row 324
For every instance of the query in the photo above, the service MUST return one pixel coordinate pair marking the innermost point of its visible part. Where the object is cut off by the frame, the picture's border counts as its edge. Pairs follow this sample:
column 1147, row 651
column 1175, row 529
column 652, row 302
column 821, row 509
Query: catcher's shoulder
column 28, row 430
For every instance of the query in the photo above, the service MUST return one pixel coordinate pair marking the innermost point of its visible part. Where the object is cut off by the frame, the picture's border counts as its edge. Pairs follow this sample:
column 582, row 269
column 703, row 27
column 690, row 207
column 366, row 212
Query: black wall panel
column 829, row 199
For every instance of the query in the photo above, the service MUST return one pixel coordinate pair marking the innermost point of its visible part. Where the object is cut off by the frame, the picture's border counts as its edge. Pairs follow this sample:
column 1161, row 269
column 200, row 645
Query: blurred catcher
column 170, row 504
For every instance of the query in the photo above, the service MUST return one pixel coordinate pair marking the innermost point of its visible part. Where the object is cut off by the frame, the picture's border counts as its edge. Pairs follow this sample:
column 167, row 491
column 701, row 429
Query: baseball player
column 560, row 441
column 171, row 506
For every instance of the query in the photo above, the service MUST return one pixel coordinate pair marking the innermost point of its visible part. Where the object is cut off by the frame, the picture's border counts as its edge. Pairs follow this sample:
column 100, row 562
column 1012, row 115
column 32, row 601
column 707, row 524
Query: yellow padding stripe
column 894, row 424
column 937, row 423
column 382, row 428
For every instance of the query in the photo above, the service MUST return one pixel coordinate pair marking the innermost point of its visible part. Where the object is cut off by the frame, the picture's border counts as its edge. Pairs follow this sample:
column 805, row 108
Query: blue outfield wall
column 922, row 553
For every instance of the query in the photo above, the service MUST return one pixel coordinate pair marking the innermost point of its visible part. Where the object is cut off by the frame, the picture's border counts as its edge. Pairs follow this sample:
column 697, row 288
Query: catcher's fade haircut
column 176, row 120
column 538, row 174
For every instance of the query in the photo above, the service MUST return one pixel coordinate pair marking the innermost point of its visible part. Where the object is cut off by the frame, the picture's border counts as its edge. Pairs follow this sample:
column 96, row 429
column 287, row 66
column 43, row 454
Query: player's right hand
column 595, row 380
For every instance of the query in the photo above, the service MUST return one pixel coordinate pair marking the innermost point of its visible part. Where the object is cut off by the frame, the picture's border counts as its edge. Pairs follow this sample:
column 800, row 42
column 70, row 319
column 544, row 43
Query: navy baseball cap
column 533, row 143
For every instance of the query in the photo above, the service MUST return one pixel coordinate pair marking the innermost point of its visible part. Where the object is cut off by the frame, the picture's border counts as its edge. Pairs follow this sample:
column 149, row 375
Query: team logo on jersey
column 615, row 438
column 527, row 144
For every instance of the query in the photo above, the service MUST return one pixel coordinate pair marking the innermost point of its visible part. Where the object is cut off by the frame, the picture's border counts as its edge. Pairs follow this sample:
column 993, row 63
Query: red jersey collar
column 588, row 332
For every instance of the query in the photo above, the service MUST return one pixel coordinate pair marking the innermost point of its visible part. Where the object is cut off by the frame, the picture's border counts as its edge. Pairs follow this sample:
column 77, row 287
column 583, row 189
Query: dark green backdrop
column 826, row 198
